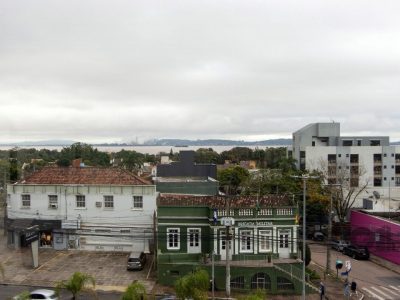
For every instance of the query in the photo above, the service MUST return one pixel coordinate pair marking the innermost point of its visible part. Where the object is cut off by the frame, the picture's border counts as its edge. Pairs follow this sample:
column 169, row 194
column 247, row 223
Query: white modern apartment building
column 86, row 208
column 367, row 160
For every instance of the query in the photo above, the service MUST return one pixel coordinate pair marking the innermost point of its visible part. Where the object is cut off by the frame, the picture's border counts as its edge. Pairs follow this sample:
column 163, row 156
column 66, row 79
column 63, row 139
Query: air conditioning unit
column 98, row 204
column 53, row 206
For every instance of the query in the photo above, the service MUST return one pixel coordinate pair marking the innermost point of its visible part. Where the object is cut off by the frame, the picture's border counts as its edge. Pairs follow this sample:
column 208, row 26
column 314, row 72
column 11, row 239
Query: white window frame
column 195, row 232
column 173, row 239
column 53, row 201
column 26, row 201
column 137, row 202
column 265, row 238
column 246, row 241
column 79, row 199
column 108, row 202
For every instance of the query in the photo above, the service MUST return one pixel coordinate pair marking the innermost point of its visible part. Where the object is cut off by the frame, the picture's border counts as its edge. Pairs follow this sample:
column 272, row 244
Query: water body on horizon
column 147, row 149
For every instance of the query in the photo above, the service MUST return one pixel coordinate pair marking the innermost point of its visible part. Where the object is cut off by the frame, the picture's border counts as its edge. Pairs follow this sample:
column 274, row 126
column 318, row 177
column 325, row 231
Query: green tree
column 135, row 291
column 86, row 153
column 77, row 283
column 207, row 155
column 130, row 160
column 194, row 285
column 232, row 178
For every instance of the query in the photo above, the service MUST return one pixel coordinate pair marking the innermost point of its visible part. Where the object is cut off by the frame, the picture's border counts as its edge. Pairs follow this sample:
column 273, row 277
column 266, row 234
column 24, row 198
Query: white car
column 40, row 294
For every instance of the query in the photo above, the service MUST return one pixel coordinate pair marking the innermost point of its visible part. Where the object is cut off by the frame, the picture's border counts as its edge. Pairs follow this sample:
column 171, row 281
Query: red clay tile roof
column 83, row 175
column 220, row 201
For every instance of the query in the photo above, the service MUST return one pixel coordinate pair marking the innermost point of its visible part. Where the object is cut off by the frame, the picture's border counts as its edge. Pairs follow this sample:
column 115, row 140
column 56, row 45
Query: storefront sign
column 31, row 235
column 257, row 224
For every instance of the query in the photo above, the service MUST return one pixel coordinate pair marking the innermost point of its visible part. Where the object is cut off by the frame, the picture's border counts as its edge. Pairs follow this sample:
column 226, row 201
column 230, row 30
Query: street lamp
column 304, row 178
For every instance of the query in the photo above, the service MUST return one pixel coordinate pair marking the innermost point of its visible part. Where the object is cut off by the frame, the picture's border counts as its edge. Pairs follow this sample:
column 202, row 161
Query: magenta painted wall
column 381, row 236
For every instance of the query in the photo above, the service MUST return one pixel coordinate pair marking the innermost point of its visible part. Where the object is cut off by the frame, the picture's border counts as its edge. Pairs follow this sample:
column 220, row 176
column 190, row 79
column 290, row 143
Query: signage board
column 31, row 234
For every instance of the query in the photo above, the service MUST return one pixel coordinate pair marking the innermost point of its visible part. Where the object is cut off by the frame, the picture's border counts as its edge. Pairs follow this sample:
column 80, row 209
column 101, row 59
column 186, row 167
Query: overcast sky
column 117, row 71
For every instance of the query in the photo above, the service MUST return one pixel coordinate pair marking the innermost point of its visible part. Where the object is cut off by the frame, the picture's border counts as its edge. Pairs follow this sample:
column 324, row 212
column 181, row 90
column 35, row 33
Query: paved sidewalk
column 109, row 269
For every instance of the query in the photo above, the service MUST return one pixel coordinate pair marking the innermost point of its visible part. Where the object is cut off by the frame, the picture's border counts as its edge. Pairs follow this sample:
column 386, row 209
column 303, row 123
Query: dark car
column 356, row 252
column 136, row 261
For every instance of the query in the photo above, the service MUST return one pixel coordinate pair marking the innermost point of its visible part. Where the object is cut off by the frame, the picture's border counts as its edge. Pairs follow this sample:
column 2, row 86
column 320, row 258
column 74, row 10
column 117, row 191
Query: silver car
column 40, row 294
column 339, row 245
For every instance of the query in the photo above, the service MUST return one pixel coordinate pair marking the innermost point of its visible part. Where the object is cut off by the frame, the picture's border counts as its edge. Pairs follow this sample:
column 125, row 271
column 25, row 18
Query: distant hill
column 216, row 142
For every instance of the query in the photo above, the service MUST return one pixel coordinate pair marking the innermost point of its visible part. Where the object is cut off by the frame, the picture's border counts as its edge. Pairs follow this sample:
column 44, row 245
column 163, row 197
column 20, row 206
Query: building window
column 284, row 239
column 26, row 201
column 108, row 201
column 384, row 154
column 260, row 281
column 80, row 201
column 313, row 143
column 53, row 201
column 173, row 238
column 347, row 143
column 358, row 142
column 237, row 282
column 378, row 181
column 339, row 155
column 265, row 238
column 246, row 244
column 374, row 142
column 137, row 202
column 194, row 237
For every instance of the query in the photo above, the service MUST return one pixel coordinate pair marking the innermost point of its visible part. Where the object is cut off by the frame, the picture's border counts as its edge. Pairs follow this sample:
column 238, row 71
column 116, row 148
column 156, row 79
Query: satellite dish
column 376, row 194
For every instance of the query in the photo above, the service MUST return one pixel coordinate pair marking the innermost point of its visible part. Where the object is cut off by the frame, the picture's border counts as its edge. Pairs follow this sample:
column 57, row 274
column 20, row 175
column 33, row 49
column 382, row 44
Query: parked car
column 136, row 261
column 318, row 236
column 40, row 294
column 356, row 252
column 339, row 245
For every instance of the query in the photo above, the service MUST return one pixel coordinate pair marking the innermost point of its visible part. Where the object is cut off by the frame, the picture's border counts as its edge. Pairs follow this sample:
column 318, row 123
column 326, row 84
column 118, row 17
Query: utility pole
column 328, row 249
column 228, row 266
column 228, row 222
column 304, row 178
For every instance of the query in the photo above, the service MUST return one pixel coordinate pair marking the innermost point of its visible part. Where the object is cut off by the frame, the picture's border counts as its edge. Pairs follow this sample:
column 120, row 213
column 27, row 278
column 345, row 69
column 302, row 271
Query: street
column 374, row 281
column 9, row 291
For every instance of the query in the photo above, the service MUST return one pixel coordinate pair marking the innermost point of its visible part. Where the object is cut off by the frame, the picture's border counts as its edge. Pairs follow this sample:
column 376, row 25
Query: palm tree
column 77, row 283
column 134, row 291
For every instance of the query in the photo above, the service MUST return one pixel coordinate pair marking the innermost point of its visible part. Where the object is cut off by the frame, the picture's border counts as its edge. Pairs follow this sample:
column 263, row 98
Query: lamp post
column 304, row 178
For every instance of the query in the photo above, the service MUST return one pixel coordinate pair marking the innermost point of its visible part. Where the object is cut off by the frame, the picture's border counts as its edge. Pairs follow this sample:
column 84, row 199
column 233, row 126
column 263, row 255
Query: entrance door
column 194, row 241
column 284, row 243
column 222, row 246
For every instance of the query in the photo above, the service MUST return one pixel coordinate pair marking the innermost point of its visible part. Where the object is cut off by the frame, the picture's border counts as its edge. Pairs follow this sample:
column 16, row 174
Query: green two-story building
column 262, row 240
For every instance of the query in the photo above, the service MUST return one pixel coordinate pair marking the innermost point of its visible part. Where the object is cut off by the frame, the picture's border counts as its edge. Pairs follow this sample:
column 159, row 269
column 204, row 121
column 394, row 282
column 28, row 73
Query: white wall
column 122, row 228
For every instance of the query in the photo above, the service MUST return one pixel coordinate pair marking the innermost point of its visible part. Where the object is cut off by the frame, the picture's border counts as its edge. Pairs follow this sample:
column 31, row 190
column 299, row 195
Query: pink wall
column 381, row 236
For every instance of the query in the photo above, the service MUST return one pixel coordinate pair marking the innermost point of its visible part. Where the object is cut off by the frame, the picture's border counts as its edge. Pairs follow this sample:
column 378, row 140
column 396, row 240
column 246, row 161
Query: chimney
column 76, row 163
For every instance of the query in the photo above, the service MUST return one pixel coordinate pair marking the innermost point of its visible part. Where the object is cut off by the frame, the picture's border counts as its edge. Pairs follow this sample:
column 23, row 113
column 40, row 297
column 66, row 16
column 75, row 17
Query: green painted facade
column 261, row 238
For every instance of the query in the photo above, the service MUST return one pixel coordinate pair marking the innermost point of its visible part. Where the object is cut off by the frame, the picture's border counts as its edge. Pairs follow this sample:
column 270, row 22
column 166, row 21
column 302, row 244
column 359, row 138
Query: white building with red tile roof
column 87, row 208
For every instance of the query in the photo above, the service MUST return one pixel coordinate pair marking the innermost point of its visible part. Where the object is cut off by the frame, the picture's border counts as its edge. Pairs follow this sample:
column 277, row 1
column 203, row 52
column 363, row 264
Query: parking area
column 109, row 269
